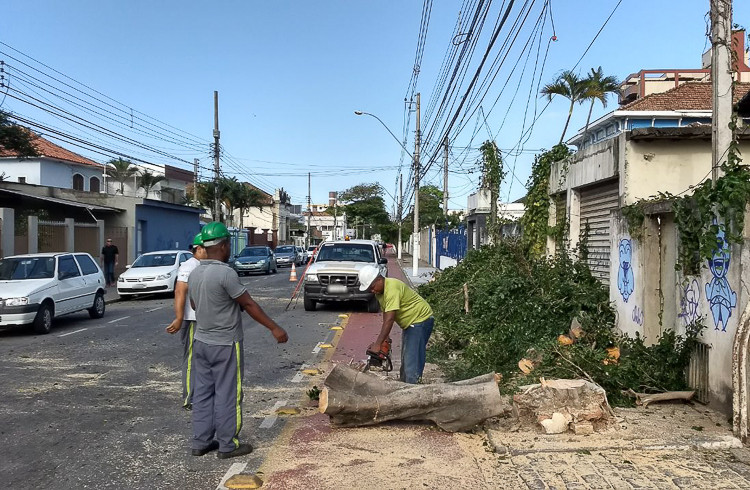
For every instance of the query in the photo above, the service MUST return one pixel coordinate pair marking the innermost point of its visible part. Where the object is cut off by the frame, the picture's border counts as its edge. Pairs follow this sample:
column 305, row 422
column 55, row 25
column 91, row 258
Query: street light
column 362, row 113
column 400, row 205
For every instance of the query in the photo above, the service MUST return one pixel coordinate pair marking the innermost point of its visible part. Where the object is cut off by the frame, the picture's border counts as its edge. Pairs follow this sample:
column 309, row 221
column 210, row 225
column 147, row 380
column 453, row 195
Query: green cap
column 213, row 233
column 198, row 240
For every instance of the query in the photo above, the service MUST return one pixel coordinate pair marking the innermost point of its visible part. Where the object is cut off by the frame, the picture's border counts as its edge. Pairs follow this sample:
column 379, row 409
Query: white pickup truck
column 334, row 276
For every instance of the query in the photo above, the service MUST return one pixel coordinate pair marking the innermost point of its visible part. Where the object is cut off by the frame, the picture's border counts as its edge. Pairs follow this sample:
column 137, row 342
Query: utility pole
column 195, row 181
column 400, row 211
column 721, row 81
column 335, row 216
column 445, row 177
column 415, row 238
column 309, row 210
column 217, row 167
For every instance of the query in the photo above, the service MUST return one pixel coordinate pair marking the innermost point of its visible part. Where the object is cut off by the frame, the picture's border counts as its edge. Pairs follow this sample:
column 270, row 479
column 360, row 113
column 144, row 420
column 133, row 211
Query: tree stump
column 352, row 398
column 555, row 404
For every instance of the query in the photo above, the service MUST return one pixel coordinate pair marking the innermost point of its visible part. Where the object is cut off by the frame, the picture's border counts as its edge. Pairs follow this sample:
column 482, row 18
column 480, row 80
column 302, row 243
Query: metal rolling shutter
column 596, row 204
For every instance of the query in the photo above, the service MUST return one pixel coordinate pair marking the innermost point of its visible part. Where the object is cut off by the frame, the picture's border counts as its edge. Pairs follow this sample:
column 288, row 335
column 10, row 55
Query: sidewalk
column 668, row 446
column 111, row 296
column 424, row 270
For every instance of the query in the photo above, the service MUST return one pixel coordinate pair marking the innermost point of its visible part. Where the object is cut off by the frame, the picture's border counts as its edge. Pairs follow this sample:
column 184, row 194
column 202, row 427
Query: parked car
column 312, row 250
column 334, row 276
column 153, row 272
column 255, row 259
column 37, row 288
column 286, row 255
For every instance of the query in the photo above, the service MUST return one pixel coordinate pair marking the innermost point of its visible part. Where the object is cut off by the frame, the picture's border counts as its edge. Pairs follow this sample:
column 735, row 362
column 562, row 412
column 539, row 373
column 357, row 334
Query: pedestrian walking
column 218, row 297
column 184, row 321
column 402, row 305
column 110, row 259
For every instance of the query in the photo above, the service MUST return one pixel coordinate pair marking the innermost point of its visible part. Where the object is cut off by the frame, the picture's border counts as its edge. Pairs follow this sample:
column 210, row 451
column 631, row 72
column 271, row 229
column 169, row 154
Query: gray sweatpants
column 217, row 396
column 187, row 332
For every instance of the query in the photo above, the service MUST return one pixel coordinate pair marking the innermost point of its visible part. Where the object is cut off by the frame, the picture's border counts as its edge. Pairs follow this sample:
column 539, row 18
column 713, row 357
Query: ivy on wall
column 535, row 221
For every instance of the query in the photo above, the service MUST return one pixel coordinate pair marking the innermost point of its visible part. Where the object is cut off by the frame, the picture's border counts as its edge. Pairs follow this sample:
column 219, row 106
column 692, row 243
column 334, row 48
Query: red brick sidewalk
column 311, row 454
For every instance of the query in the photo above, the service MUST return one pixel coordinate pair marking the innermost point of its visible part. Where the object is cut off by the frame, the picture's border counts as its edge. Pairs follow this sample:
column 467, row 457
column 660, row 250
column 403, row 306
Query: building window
column 94, row 184
column 77, row 182
column 22, row 180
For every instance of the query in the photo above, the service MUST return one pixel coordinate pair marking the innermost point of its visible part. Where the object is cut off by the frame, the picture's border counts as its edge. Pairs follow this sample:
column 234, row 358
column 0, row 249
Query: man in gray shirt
column 218, row 297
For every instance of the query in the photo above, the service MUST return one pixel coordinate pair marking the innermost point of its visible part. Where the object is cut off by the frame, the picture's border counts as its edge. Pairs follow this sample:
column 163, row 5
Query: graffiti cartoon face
column 625, row 279
column 719, row 262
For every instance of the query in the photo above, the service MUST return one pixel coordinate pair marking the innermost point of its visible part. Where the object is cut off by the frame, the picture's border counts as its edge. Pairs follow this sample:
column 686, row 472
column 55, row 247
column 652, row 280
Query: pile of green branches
column 519, row 305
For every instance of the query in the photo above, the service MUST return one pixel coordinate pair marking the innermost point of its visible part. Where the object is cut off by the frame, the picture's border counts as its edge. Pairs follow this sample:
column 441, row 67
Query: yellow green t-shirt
column 410, row 308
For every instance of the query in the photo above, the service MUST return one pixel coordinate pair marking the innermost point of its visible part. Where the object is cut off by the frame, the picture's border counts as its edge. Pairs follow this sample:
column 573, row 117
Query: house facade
column 660, row 143
column 55, row 167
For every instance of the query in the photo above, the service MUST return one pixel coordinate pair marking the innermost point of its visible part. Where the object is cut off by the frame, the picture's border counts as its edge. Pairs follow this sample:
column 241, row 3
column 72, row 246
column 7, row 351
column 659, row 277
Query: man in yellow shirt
column 402, row 305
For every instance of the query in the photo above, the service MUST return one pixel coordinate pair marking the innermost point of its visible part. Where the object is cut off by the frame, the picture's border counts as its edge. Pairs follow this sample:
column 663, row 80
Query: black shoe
column 240, row 451
column 211, row 447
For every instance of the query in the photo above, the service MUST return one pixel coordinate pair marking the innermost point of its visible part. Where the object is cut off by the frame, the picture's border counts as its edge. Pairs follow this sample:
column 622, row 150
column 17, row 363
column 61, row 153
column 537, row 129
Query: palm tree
column 598, row 88
column 245, row 197
column 121, row 170
column 149, row 180
column 572, row 87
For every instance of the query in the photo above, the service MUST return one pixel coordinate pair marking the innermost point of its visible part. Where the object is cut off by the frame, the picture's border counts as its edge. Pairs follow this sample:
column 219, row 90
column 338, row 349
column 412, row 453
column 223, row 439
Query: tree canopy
column 15, row 138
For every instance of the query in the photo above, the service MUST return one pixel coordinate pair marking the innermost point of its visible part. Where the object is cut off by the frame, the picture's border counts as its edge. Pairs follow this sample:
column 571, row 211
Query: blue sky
column 291, row 73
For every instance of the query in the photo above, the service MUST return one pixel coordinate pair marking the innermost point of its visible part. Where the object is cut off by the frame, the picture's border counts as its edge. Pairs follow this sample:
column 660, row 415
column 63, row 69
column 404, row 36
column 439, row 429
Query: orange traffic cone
column 293, row 275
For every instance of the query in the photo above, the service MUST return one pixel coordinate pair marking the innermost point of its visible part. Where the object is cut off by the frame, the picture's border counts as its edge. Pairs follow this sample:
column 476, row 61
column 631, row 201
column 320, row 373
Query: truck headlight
column 16, row 301
column 312, row 277
column 161, row 277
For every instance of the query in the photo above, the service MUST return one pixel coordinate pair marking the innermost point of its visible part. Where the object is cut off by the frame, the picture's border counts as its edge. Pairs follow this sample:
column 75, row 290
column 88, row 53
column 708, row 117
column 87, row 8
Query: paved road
column 96, row 403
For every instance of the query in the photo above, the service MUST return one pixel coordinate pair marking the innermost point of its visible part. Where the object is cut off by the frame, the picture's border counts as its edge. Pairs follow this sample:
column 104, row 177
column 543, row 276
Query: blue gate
column 451, row 243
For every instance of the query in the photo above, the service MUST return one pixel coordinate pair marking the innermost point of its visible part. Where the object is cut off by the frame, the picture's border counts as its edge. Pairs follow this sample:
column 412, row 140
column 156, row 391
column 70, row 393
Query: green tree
column 121, row 171
column 572, row 87
column 364, row 203
column 16, row 139
column 244, row 197
column 597, row 88
column 147, row 181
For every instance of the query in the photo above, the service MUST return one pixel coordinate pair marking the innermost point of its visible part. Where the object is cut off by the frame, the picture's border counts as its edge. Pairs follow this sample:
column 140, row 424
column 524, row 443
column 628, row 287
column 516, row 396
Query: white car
column 36, row 288
column 153, row 272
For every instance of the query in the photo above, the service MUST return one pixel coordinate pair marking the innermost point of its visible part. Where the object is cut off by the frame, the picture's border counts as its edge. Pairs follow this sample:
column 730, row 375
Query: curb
column 406, row 276
column 725, row 443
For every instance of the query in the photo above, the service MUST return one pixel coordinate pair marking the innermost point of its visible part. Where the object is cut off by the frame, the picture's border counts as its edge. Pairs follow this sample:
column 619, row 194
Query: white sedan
column 153, row 272
column 37, row 288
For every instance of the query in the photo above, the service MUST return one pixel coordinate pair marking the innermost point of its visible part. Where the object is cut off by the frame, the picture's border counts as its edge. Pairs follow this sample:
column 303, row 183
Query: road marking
column 235, row 469
column 154, row 309
column 317, row 348
column 74, row 331
column 271, row 419
column 300, row 375
column 119, row 319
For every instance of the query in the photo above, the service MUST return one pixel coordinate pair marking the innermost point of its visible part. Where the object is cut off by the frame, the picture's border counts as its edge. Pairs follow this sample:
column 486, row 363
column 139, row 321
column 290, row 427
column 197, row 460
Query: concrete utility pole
column 400, row 211
column 217, row 165
column 335, row 216
column 415, row 252
column 721, row 80
column 195, row 181
column 309, row 210
column 445, row 177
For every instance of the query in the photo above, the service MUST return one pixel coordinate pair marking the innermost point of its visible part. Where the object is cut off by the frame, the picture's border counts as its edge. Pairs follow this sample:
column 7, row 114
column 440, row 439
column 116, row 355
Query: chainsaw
column 380, row 359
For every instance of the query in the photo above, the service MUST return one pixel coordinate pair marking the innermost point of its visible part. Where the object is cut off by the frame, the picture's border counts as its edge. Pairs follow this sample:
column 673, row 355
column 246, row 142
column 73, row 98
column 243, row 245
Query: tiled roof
column 50, row 150
column 690, row 96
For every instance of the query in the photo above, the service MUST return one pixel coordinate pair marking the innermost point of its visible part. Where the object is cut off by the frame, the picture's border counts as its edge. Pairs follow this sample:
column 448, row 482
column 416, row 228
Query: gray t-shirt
column 213, row 288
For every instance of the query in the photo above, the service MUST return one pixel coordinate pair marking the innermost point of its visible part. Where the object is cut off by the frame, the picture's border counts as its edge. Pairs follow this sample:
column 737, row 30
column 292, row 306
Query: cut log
column 646, row 398
column 552, row 401
column 352, row 398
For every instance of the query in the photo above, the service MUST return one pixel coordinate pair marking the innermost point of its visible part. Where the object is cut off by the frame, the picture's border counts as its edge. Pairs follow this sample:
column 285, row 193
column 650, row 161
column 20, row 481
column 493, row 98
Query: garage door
column 596, row 205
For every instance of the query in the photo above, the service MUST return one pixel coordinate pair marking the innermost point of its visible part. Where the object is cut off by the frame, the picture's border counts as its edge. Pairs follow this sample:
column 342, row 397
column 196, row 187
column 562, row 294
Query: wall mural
column 637, row 315
column 719, row 292
column 625, row 280
column 689, row 302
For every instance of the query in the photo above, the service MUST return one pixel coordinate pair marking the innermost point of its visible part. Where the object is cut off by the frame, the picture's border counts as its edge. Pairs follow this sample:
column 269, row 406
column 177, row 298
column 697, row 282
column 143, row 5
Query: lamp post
column 400, row 204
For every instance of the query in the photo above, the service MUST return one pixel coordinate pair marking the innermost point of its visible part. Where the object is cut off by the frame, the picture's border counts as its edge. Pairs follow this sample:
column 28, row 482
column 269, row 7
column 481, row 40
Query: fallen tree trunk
column 352, row 398
column 646, row 398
